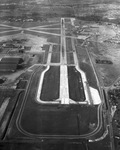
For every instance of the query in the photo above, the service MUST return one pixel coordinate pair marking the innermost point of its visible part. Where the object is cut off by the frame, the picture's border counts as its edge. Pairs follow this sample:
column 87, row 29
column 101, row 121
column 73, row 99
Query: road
column 108, row 112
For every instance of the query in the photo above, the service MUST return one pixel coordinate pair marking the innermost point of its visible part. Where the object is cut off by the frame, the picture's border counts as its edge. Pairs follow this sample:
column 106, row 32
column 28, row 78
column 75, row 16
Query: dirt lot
column 103, row 45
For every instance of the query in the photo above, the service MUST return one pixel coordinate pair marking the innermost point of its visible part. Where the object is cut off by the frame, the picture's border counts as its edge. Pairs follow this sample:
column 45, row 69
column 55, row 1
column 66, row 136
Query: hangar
column 10, row 64
column 12, row 60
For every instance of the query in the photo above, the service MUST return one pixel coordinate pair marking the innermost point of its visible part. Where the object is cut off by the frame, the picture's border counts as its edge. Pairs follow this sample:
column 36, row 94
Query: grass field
column 55, row 57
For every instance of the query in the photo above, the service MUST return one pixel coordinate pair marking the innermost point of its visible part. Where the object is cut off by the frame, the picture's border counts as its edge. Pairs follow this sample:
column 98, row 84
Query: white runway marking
column 64, row 92
column 43, row 32
column 9, row 31
column 10, row 26
column 64, row 88
column 41, row 83
column 49, row 55
column 43, row 26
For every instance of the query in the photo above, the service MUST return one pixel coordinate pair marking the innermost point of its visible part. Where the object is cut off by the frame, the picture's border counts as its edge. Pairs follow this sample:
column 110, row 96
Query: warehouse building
column 14, row 60
column 10, row 64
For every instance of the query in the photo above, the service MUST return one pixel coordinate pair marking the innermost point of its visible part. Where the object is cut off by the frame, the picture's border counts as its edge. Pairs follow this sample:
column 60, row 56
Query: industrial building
column 10, row 64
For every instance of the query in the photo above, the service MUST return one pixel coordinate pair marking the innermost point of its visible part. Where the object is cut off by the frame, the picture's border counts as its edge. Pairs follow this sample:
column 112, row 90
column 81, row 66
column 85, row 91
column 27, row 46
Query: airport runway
column 57, row 103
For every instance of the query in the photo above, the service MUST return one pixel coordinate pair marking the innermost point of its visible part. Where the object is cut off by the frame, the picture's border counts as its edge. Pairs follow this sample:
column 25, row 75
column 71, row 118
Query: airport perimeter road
column 101, row 87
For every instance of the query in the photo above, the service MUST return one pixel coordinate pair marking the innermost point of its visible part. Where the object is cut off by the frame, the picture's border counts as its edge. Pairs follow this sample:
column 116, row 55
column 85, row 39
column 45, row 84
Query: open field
column 52, row 82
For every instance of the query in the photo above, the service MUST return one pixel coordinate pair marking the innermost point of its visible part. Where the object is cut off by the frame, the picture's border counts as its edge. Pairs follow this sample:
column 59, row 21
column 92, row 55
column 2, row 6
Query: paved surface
column 57, row 102
column 59, row 85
